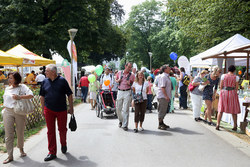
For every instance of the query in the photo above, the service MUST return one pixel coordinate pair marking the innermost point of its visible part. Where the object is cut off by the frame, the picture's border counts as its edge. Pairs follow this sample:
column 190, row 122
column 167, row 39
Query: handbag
column 138, row 98
column 72, row 123
column 23, row 106
column 201, row 87
column 191, row 87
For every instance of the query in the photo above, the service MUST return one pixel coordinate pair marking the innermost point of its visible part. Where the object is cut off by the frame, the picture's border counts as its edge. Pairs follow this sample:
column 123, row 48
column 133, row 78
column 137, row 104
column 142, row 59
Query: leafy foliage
column 144, row 21
column 150, row 29
column 212, row 21
column 42, row 25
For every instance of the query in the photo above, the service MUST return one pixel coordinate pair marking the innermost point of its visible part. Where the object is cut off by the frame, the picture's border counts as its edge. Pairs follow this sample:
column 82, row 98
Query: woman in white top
column 140, row 86
column 15, row 91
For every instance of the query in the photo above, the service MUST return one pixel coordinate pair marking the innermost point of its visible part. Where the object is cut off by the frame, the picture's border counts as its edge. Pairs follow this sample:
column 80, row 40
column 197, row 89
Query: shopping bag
column 72, row 123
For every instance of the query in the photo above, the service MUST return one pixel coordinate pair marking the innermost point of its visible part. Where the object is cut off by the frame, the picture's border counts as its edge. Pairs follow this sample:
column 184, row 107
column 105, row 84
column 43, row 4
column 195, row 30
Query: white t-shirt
column 138, row 89
column 40, row 78
column 104, row 78
column 8, row 100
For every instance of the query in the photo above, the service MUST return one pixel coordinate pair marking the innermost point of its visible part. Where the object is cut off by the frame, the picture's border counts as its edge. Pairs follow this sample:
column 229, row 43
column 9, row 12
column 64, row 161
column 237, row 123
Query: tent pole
column 225, row 68
column 22, row 70
column 247, row 64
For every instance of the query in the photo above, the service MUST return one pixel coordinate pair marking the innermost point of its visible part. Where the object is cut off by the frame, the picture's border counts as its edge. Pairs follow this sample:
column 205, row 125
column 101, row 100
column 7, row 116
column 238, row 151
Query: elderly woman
column 15, row 91
column 209, row 92
column 196, row 96
column 229, row 101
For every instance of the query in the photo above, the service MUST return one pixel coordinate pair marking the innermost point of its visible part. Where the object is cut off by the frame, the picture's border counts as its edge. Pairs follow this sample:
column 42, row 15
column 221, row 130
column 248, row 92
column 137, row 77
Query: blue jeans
column 183, row 97
column 85, row 90
column 149, row 103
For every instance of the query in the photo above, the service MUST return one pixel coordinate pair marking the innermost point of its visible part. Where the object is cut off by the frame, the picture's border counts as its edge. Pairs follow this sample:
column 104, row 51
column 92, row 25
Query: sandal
column 234, row 129
column 217, row 128
column 211, row 123
column 23, row 154
column 7, row 160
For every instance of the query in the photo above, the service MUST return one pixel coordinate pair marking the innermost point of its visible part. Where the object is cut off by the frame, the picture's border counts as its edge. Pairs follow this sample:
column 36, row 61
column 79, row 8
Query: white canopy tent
column 206, row 59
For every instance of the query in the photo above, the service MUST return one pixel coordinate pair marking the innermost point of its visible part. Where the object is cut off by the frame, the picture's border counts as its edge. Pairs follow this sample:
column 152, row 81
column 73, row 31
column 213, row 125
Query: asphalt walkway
column 99, row 142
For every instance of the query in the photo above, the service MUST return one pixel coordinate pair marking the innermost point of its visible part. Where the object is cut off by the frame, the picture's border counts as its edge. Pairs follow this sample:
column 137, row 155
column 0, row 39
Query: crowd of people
column 130, row 85
column 130, row 88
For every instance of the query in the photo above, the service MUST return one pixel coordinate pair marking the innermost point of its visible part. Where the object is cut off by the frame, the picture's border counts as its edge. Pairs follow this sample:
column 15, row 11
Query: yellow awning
column 7, row 59
column 29, row 58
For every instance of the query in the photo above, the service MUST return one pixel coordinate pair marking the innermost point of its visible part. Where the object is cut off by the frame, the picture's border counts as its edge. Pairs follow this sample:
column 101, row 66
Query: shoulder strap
column 128, row 76
column 111, row 77
column 121, row 75
column 20, row 89
column 142, row 86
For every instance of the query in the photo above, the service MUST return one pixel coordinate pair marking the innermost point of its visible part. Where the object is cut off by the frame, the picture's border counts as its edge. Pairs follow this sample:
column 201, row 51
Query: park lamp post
column 150, row 56
column 126, row 57
column 72, row 34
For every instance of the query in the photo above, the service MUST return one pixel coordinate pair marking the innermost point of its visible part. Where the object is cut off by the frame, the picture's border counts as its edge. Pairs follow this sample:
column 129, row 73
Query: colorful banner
column 66, row 70
column 74, row 57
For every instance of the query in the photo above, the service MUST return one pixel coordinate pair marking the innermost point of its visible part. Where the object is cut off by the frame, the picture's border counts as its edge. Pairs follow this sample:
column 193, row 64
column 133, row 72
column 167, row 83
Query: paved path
column 99, row 142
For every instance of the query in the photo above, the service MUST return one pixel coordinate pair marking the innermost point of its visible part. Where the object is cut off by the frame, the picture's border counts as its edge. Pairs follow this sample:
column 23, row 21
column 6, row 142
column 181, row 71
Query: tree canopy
column 42, row 25
column 212, row 21
column 150, row 29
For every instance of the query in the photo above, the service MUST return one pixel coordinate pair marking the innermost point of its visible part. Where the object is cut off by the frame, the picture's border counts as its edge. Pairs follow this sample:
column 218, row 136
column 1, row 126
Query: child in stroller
column 105, row 104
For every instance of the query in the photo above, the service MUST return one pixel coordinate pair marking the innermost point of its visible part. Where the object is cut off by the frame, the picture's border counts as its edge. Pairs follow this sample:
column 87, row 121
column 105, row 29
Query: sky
column 127, row 5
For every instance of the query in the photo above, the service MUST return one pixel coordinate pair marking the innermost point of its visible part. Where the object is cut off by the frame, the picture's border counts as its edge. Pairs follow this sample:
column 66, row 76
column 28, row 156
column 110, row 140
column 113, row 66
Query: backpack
column 186, row 80
column 111, row 76
column 127, row 77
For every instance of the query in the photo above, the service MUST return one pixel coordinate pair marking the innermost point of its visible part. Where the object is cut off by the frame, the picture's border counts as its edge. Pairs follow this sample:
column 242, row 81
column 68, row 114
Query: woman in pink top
column 149, row 94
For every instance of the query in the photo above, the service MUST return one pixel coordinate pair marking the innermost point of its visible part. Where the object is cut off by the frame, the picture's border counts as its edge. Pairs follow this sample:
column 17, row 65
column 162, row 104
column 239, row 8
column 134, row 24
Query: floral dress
column 208, row 90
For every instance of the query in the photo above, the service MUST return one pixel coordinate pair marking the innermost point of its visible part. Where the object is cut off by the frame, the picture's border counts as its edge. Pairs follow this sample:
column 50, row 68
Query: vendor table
column 246, row 104
column 241, row 116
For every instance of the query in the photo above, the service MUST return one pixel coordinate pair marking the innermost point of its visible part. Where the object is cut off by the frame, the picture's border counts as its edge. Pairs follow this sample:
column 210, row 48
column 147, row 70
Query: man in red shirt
column 84, row 85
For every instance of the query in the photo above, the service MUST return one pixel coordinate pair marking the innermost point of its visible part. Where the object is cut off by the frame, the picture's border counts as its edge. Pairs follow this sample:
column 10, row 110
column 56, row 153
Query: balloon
column 203, row 108
column 107, row 82
column 173, row 56
column 240, row 72
column 91, row 78
column 98, row 70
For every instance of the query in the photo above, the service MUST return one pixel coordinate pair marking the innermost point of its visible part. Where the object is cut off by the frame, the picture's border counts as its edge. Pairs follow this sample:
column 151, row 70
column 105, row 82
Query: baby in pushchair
column 105, row 103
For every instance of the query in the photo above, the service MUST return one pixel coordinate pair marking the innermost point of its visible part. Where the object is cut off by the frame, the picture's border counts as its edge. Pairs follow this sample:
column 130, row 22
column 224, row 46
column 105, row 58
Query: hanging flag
column 66, row 70
column 74, row 59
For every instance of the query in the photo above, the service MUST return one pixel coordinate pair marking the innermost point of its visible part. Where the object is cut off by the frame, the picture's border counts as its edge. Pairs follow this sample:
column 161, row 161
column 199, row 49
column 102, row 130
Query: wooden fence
column 37, row 116
column 32, row 119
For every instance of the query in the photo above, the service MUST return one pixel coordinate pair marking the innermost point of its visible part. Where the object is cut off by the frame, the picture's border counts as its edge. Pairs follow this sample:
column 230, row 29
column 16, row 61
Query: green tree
column 42, row 25
column 212, row 21
column 144, row 21
column 170, row 39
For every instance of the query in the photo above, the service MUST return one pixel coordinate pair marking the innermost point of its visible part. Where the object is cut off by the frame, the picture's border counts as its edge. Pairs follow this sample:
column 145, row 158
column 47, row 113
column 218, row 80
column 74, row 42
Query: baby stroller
column 154, row 103
column 154, row 100
column 105, row 103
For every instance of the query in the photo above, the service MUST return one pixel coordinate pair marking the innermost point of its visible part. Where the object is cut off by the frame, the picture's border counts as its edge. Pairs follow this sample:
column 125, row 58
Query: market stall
column 208, row 58
column 232, row 51
column 10, row 60
column 30, row 58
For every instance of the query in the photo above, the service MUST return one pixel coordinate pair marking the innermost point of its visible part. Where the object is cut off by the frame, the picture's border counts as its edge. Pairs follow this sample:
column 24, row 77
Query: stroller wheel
column 115, row 114
column 97, row 110
column 155, row 105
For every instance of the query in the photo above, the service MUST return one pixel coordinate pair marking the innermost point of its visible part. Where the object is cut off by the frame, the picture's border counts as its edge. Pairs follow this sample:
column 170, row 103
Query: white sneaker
column 141, row 129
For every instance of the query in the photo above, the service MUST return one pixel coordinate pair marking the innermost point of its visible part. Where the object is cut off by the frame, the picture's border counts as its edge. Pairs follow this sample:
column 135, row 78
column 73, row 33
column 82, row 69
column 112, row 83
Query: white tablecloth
column 228, row 117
